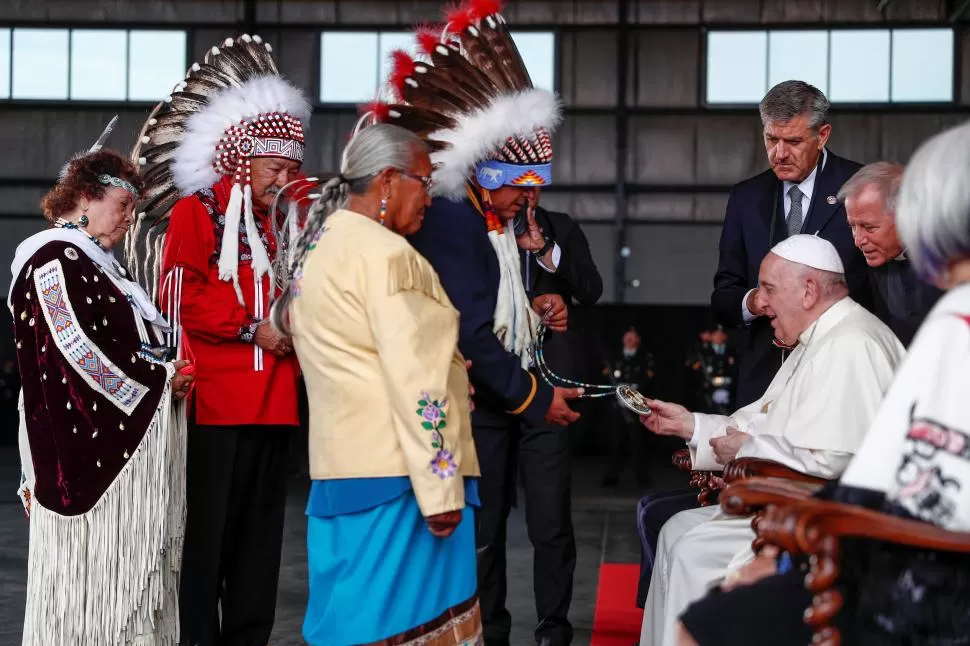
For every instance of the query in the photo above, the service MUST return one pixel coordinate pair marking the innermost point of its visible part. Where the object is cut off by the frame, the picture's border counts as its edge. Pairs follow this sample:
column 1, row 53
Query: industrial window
column 90, row 64
column 848, row 65
column 356, row 78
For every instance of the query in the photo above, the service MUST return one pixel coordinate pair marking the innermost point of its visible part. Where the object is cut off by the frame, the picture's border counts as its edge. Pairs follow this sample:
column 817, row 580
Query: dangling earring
column 383, row 212
column 83, row 220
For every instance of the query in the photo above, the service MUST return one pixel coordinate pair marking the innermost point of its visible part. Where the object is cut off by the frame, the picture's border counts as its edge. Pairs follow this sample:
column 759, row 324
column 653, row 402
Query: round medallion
column 71, row 253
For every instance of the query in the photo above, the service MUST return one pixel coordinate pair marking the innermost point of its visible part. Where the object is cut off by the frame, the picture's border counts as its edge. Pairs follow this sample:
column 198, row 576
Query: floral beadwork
column 434, row 419
column 443, row 464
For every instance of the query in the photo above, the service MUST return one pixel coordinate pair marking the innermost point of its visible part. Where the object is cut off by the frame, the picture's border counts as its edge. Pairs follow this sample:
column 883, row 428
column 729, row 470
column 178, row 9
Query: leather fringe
column 109, row 577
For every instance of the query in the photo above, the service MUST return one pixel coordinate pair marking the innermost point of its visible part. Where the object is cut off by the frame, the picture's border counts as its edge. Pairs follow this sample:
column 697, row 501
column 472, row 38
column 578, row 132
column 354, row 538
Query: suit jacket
column 754, row 222
column 454, row 239
column 901, row 299
column 576, row 279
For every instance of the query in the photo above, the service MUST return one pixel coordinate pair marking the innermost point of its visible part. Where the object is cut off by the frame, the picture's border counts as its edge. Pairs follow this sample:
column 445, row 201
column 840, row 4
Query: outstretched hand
column 666, row 418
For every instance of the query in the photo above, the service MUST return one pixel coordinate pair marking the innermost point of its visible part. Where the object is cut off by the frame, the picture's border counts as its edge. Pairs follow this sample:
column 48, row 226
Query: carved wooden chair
column 800, row 524
column 709, row 482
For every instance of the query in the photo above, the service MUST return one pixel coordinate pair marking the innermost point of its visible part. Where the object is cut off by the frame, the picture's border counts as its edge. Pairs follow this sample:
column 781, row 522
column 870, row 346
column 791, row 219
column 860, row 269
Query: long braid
column 370, row 151
column 333, row 196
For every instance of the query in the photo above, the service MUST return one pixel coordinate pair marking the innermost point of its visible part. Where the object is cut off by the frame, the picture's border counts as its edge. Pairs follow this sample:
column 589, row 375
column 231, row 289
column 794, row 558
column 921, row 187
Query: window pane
column 538, row 51
column 389, row 41
column 349, row 66
column 98, row 64
column 4, row 63
column 736, row 66
column 156, row 62
column 39, row 64
column 859, row 66
column 922, row 65
column 799, row 56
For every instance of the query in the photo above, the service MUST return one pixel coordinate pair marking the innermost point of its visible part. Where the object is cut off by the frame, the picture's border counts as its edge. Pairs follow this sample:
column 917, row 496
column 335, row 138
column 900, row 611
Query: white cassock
column 812, row 418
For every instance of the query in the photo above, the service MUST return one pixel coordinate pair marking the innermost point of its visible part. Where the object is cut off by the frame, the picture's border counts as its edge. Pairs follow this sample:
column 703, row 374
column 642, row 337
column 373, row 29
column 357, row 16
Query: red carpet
column 617, row 619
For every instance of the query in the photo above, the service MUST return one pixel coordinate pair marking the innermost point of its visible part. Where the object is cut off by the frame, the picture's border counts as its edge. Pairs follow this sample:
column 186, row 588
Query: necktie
column 795, row 212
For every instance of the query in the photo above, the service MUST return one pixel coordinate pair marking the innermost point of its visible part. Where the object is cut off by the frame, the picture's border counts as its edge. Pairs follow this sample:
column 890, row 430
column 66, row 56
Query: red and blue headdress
column 470, row 97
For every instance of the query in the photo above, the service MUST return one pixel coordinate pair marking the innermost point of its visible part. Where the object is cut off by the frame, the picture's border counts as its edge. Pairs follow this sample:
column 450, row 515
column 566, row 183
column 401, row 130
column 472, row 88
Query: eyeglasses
column 421, row 178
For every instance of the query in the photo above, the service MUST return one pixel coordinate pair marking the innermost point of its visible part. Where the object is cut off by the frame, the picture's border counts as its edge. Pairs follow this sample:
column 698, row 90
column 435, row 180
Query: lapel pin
column 831, row 199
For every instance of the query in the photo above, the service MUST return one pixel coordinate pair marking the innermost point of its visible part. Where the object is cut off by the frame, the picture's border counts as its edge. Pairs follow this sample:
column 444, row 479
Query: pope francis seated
column 811, row 418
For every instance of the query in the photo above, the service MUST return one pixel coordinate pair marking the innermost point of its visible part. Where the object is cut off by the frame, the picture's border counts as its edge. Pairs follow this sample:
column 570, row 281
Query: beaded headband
column 106, row 179
column 269, row 135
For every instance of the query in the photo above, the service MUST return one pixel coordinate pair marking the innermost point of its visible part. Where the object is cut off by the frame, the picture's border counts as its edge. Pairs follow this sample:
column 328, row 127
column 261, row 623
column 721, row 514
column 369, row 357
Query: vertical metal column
column 622, row 71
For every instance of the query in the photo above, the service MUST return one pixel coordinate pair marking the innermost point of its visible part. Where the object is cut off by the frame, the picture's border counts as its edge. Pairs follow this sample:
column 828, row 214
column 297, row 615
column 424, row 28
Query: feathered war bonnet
column 230, row 108
column 471, row 99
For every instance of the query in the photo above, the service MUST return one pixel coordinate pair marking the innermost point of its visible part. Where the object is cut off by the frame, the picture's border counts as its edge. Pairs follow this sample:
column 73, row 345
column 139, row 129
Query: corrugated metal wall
column 681, row 157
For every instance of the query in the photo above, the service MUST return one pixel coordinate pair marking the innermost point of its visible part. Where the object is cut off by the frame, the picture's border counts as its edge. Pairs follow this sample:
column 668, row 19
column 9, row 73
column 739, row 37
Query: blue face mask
column 629, row 352
column 718, row 348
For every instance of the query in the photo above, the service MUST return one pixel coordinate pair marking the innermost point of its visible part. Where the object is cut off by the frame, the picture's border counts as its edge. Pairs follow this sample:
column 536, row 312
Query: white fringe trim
column 110, row 577
column 229, row 251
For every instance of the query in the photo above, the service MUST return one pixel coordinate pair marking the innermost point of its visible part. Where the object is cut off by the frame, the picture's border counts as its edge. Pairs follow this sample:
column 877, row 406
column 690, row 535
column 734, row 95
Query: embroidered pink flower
column 443, row 464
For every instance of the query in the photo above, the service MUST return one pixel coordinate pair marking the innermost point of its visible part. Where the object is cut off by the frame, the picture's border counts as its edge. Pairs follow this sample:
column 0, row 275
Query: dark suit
column 544, row 452
column 754, row 222
column 901, row 299
column 454, row 239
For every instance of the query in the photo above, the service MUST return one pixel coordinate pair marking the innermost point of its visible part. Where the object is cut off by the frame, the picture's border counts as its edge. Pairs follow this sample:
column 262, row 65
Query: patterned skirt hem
column 460, row 625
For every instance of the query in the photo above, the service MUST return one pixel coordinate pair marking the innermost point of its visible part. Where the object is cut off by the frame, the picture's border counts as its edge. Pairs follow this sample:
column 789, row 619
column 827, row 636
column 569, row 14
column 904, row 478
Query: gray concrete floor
column 604, row 521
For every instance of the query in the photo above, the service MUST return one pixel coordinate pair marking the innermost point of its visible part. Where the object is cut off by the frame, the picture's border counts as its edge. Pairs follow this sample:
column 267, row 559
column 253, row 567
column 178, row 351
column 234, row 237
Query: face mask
column 629, row 352
column 718, row 348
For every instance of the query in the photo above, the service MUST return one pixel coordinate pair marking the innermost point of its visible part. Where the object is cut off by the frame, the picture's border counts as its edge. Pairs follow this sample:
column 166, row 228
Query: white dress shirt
column 807, row 187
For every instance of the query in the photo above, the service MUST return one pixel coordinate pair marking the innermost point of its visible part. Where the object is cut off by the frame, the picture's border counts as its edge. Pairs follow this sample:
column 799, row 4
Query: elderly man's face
column 873, row 228
column 793, row 148
column 784, row 298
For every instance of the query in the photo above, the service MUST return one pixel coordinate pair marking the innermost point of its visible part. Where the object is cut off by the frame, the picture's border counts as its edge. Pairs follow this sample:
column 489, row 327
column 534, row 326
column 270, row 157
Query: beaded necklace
column 550, row 377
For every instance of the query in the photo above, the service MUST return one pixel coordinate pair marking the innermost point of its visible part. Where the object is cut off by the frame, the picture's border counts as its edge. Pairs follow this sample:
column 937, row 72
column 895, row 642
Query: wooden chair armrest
column 809, row 524
column 743, row 468
column 815, row 527
column 681, row 459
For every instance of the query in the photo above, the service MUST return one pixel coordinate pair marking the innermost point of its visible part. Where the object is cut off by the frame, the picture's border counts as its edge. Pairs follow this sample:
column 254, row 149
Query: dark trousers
column 543, row 457
column 236, row 497
column 627, row 443
column 652, row 512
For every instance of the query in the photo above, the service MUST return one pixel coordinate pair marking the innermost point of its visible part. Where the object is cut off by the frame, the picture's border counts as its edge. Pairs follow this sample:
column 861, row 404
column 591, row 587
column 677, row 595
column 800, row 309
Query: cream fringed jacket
column 377, row 339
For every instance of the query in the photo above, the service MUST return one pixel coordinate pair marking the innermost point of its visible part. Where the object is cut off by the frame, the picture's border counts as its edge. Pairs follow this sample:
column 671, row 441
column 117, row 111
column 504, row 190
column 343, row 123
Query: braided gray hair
column 369, row 152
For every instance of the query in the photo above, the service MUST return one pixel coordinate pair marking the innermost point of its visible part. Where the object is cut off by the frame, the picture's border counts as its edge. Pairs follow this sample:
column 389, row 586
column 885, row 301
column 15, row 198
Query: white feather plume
column 480, row 134
column 192, row 167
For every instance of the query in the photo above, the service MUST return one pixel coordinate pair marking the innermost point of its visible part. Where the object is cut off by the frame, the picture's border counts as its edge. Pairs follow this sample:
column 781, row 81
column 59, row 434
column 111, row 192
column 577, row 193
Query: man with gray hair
column 901, row 299
column 797, row 195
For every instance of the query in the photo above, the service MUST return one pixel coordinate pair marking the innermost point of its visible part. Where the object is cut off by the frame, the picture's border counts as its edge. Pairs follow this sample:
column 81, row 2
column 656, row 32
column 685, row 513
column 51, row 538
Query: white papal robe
column 812, row 418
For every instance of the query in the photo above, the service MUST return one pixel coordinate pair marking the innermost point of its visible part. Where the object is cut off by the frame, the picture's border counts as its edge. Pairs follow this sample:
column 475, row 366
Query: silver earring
column 83, row 220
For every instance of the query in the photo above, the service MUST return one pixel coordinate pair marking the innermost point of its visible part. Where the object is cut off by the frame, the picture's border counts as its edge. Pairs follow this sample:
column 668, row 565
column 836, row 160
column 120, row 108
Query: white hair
column 933, row 210
column 883, row 176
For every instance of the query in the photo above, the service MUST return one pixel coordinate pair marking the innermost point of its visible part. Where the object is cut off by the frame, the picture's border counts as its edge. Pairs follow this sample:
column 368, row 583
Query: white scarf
column 141, row 302
column 514, row 321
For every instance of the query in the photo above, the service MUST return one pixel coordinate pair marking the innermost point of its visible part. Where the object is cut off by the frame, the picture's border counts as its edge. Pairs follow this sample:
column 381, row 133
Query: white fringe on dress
column 110, row 577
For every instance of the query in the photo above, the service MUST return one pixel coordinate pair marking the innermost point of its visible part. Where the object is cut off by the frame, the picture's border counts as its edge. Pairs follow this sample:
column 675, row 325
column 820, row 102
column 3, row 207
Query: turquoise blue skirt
column 379, row 573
